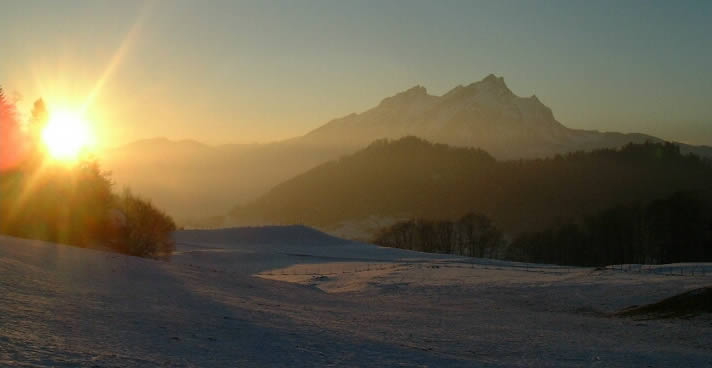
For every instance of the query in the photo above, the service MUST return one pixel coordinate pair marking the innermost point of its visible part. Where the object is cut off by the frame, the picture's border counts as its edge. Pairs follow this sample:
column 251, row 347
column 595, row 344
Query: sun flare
column 66, row 135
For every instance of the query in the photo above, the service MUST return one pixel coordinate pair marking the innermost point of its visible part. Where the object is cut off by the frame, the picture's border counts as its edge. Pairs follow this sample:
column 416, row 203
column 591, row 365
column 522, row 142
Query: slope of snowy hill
column 263, row 235
column 351, row 305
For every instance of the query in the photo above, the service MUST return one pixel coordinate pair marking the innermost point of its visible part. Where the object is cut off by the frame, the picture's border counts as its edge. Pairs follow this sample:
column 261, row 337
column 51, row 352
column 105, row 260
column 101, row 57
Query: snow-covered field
column 294, row 297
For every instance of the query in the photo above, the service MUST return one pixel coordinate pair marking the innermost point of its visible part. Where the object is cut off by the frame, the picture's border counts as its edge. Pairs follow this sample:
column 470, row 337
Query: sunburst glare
column 66, row 135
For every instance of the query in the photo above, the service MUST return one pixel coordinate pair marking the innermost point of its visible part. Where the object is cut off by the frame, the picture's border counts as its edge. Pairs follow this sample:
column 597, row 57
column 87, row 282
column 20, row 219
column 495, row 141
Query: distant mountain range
column 192, row 180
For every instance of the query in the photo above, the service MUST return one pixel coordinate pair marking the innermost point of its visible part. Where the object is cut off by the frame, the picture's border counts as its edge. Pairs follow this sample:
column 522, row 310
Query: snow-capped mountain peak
column 484, row 114
column 492, row 82
column 414, row 94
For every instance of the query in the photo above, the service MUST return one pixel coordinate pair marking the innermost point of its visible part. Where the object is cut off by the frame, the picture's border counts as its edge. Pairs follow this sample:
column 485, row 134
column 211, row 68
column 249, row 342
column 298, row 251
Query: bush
column 147, row 231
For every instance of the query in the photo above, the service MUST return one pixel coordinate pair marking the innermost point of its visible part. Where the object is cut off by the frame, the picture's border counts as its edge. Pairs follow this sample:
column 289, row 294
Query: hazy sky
column 233, row 71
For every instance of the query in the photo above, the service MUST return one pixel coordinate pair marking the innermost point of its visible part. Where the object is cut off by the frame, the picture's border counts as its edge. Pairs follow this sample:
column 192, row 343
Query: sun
column 66, row 135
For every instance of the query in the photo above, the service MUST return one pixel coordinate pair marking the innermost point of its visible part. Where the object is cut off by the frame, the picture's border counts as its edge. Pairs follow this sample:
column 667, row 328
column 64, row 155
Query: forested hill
column 410, row 177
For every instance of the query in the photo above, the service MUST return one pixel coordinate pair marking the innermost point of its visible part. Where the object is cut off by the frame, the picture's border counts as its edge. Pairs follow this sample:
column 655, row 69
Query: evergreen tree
column 12, row 144
column 38, row 118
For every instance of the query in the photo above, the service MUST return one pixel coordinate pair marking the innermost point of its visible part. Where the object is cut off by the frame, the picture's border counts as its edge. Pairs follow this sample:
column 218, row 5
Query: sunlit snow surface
column 294, row 297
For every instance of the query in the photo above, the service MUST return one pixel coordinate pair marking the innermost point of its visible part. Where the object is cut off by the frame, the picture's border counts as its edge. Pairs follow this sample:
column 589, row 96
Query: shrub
column 147, row 231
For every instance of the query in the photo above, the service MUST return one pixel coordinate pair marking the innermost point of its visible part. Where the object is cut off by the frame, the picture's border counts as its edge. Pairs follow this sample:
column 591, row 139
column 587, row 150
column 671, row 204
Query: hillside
column 414, row 178
column 262, row 235
column 340, row 304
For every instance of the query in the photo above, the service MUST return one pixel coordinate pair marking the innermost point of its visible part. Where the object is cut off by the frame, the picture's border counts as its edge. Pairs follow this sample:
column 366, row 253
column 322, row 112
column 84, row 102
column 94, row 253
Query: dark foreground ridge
column 685, row 305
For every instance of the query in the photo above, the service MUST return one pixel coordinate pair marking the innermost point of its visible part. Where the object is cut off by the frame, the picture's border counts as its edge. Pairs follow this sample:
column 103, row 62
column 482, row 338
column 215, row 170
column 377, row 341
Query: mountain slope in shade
column 412, row 178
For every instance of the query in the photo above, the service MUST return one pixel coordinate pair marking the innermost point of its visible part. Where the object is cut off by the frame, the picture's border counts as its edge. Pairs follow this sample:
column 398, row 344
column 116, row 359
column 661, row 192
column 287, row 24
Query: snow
column 295, row 297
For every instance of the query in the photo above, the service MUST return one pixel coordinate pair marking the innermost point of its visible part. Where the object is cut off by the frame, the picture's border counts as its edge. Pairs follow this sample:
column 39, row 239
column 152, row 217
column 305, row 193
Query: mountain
column 484, row 114
column 412, row 178
column 193, row 181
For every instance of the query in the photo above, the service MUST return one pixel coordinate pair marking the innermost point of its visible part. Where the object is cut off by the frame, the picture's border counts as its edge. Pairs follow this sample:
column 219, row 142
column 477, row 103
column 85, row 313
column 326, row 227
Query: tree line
column 677, row 228
column 472, row 235
column 642, row 203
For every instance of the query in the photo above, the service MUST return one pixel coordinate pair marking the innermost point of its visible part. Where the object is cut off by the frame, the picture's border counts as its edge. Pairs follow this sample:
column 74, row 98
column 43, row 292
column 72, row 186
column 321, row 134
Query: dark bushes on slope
column 147, row 231
column 75, row 206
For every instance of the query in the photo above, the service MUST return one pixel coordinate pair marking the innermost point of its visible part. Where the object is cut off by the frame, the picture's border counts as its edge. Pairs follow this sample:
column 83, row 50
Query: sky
column 256, row 71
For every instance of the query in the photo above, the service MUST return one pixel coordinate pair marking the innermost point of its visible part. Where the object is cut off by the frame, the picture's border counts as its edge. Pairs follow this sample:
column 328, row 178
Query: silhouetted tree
column 12, row 144
column 479, row 236
column 38, row 118
column 473, row 235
